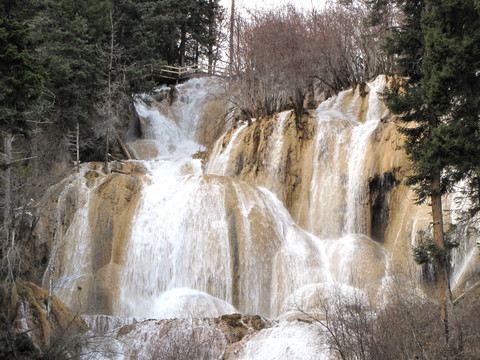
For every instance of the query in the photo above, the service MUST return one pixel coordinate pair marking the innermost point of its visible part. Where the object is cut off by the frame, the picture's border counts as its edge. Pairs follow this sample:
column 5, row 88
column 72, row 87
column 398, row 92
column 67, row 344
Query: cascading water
column 219, row 164
column 336, row 191
column 211, row 242
column 336, row 188
column 207, row 233
column 354, row 215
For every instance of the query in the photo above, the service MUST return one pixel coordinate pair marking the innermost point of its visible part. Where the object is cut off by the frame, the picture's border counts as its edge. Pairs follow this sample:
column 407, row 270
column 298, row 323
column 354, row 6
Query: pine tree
column 21, row 80
column 437, row 48
column 20, row 76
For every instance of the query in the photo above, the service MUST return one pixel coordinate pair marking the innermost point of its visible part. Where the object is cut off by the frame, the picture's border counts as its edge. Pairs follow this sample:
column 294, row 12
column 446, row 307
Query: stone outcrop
column 214, row 338
column 107, row 202
column 27, row 332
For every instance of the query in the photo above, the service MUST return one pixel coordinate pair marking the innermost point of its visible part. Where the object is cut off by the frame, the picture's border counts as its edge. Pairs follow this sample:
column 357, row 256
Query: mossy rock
column 28, row 305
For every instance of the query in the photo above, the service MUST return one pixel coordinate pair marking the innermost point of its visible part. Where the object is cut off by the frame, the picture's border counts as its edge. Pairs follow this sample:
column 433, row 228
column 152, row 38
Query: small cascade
column 220, row 163
column 173, row 128
column 71, row 246
column 355, row 200
column 343, row 139
column 274, row 152
column 464, row 259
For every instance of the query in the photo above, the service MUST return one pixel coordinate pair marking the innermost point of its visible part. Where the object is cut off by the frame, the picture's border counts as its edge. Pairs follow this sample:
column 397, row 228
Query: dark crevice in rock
column 380, row 193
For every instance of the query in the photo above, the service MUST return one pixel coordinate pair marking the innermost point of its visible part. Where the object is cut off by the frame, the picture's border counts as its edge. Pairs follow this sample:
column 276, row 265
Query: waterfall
column 341, row 143
column 233, row 242
column 203, row 242
column 336, row 190
column 274, row 218
column 219, row 164
column 208, row 238
column 71, row 246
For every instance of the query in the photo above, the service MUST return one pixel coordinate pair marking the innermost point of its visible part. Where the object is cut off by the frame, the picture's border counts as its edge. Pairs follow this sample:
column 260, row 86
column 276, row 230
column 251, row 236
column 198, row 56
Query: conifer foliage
column 20, row 76
column 438, row 52
column 73, row 36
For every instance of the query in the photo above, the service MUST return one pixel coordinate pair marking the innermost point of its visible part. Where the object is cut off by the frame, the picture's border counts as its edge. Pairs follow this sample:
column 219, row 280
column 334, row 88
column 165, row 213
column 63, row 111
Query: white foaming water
column 192, row 304
column 295, row 341
column 219, row 164
column 179, row 239
column 337, row 204
column 72, row 245
column 358, row 145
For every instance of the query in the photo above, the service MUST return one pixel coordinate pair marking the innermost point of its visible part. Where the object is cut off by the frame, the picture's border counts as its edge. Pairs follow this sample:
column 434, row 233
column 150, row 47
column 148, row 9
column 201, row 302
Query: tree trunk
column 232, row 28
column 77, row 145
column 124, row 148
column 197, row 53
column 7, row 207
column 183, row 45
column 110, row 92
column 9, row 236
column 443, row 284
column 211, row 35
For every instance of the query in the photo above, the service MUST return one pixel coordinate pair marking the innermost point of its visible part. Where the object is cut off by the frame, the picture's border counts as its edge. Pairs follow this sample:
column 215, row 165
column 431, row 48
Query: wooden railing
column 186, row 72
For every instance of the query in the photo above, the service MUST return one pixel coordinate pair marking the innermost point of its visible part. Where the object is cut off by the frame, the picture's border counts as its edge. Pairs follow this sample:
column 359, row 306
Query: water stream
column 233, row 241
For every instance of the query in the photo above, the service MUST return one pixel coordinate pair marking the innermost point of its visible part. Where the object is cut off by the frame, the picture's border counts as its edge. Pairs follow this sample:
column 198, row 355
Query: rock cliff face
column 88, row 226
column 28, row 333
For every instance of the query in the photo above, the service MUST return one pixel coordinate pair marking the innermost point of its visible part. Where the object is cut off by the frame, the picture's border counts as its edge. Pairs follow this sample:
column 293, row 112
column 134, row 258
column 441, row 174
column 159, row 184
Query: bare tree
column 402, row 324
column 7, row 178
column 275, row 65
column 282, row 53
column 114, row 96
column 232, row 29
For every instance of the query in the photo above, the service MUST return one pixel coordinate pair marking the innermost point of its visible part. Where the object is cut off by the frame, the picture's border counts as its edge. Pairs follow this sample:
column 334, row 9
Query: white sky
column 266, row 4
